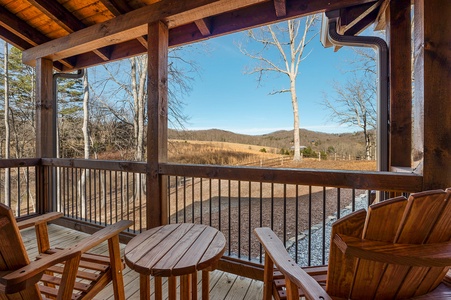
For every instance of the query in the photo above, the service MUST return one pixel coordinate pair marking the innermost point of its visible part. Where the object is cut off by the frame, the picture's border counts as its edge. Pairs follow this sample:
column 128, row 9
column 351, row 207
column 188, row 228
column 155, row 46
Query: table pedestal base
column 188, row 287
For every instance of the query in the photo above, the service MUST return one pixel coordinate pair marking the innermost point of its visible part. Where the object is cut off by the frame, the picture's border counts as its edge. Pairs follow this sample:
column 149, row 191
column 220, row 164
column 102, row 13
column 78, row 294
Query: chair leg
column 268, row 278
column 116, row 268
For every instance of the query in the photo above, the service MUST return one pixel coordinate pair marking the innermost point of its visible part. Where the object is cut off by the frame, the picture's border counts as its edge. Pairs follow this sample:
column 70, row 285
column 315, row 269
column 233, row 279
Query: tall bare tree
column 354, row 103
column 6, row 116
column 290, row 40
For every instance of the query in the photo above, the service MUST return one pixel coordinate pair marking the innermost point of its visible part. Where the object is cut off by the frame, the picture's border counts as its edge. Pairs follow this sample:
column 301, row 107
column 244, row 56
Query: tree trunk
column 296, row 135
column 7, row 129
column 85, row 130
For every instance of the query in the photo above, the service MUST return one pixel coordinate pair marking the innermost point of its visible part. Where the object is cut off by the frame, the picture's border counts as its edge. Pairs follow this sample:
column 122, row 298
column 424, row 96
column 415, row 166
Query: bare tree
column 289, row 40
column 354, row 103
column 7, row 130
column 86, row 140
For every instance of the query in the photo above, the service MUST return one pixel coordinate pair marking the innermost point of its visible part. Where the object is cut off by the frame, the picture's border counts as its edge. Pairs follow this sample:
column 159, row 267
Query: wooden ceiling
column 81, row 33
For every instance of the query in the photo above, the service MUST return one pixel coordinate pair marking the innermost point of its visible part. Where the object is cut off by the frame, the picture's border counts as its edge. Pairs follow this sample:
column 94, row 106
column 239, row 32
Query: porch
column 92, row 194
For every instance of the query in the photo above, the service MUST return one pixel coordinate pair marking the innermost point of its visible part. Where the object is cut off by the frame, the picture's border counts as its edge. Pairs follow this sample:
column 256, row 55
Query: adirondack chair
column 399, row 249
column 57, row 270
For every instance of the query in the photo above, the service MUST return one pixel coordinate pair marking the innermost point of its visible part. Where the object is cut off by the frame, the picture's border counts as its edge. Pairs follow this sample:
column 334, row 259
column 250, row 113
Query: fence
column 297, row 204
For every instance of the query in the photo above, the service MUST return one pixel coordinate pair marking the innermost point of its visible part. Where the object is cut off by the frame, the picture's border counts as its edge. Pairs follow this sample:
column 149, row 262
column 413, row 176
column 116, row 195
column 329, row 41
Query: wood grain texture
column 340, row 273
column 378, row 228
column 157, row 128
column 293, row 274
column 399, row 40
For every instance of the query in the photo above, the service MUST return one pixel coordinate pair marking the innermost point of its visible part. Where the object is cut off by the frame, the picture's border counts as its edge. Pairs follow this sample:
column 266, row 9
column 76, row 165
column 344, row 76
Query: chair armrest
column 24, row 277
column 39, row 220
column 32, row 273
column 422, row 255
column 102, row 235
column 285, row 264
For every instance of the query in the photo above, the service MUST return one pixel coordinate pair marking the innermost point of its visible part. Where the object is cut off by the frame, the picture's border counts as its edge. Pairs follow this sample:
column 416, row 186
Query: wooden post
column 45, row 132
column 400, row 72
column 157, row 132
column 432, row 96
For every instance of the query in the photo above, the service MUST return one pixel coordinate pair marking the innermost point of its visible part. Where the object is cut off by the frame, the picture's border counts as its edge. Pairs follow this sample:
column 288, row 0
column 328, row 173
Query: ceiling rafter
column 280, row 7
column 117, row 7
column 228, row 22
column 23, row 36
column 60, row 15
column 196, row 20
column 349, row 17
column 204, row 26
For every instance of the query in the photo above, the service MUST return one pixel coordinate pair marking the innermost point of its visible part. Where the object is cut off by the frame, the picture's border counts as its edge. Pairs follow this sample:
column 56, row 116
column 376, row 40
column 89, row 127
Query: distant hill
column 343, row 144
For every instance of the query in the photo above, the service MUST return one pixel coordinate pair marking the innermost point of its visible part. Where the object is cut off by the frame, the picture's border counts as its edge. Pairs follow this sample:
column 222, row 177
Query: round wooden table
column 175, row 250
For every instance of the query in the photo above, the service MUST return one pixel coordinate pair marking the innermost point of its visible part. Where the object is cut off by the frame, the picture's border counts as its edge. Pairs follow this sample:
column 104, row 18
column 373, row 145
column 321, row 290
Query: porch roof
column 78, row 34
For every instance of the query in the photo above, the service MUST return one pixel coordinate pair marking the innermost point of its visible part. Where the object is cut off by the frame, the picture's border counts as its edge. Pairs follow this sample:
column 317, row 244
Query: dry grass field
column 223, row 153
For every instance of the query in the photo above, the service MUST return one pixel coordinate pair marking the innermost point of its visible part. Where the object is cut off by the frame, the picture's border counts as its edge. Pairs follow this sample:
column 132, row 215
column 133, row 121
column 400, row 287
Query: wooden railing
column 18, row 185
column 298, row 204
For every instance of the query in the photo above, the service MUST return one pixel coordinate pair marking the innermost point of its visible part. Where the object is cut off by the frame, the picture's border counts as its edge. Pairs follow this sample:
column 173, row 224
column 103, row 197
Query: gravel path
column 317, row 237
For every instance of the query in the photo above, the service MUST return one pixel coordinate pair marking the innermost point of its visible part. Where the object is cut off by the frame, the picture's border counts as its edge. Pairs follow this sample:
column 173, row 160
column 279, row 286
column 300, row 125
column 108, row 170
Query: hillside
column 343, row 145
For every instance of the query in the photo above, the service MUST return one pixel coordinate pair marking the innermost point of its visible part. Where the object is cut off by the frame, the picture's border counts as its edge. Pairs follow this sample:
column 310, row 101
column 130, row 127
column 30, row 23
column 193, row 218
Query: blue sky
column 224, row 97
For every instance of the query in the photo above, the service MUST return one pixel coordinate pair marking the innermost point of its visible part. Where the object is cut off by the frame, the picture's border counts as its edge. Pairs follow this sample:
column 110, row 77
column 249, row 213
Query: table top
column 175, row 249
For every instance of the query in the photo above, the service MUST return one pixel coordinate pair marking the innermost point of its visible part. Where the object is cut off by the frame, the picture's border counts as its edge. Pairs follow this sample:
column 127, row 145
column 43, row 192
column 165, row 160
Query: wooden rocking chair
column 400, row 249
column 62, row 273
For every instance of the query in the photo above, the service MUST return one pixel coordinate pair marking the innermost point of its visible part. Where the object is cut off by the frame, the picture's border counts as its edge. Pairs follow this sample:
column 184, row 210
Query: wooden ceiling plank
column 122, row 28
column 204, row 26
column 280, row 7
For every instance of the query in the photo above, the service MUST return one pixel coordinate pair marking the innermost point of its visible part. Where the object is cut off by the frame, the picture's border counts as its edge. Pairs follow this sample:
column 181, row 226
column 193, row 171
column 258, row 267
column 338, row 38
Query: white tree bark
column 290, row 46
column 85, row 129
column 7, row 129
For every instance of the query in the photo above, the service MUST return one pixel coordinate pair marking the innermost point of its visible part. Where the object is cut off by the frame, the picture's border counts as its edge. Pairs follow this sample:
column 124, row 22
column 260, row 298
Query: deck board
column 222, row 285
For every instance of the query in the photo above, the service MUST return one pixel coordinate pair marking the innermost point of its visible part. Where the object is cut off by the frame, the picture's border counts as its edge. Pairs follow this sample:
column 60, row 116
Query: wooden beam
column 432, row 97
column 157, row 131
column 23, row 36
column 45, row 131
column 13, row 39
column 253, row 16
column 45, row 110
column 398, row 33
column 349, row 17
column 281, row 8
column 117, row 7
column 122, row 28
column 204, row 26
column 21, row 29
column 60, row 15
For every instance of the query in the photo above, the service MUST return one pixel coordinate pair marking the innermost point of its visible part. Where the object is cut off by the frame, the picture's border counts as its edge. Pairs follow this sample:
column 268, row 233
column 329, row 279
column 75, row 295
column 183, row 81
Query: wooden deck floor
column 222, row 285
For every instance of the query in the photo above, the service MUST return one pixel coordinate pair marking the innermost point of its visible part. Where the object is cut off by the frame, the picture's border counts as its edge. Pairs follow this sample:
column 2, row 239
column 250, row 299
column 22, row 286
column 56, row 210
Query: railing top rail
column 125, row 166
column 19, row 162
column 386, row 181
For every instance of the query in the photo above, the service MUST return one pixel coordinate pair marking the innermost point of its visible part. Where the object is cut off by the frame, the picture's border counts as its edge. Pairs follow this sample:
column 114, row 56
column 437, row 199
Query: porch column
column 45, row 132
column 432, row 96
column 399, row 40
column 157, row 130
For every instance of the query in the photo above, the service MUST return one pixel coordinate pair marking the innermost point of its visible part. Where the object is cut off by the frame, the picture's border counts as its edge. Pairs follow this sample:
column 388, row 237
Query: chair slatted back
column 13, row 254
column 423, row 218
